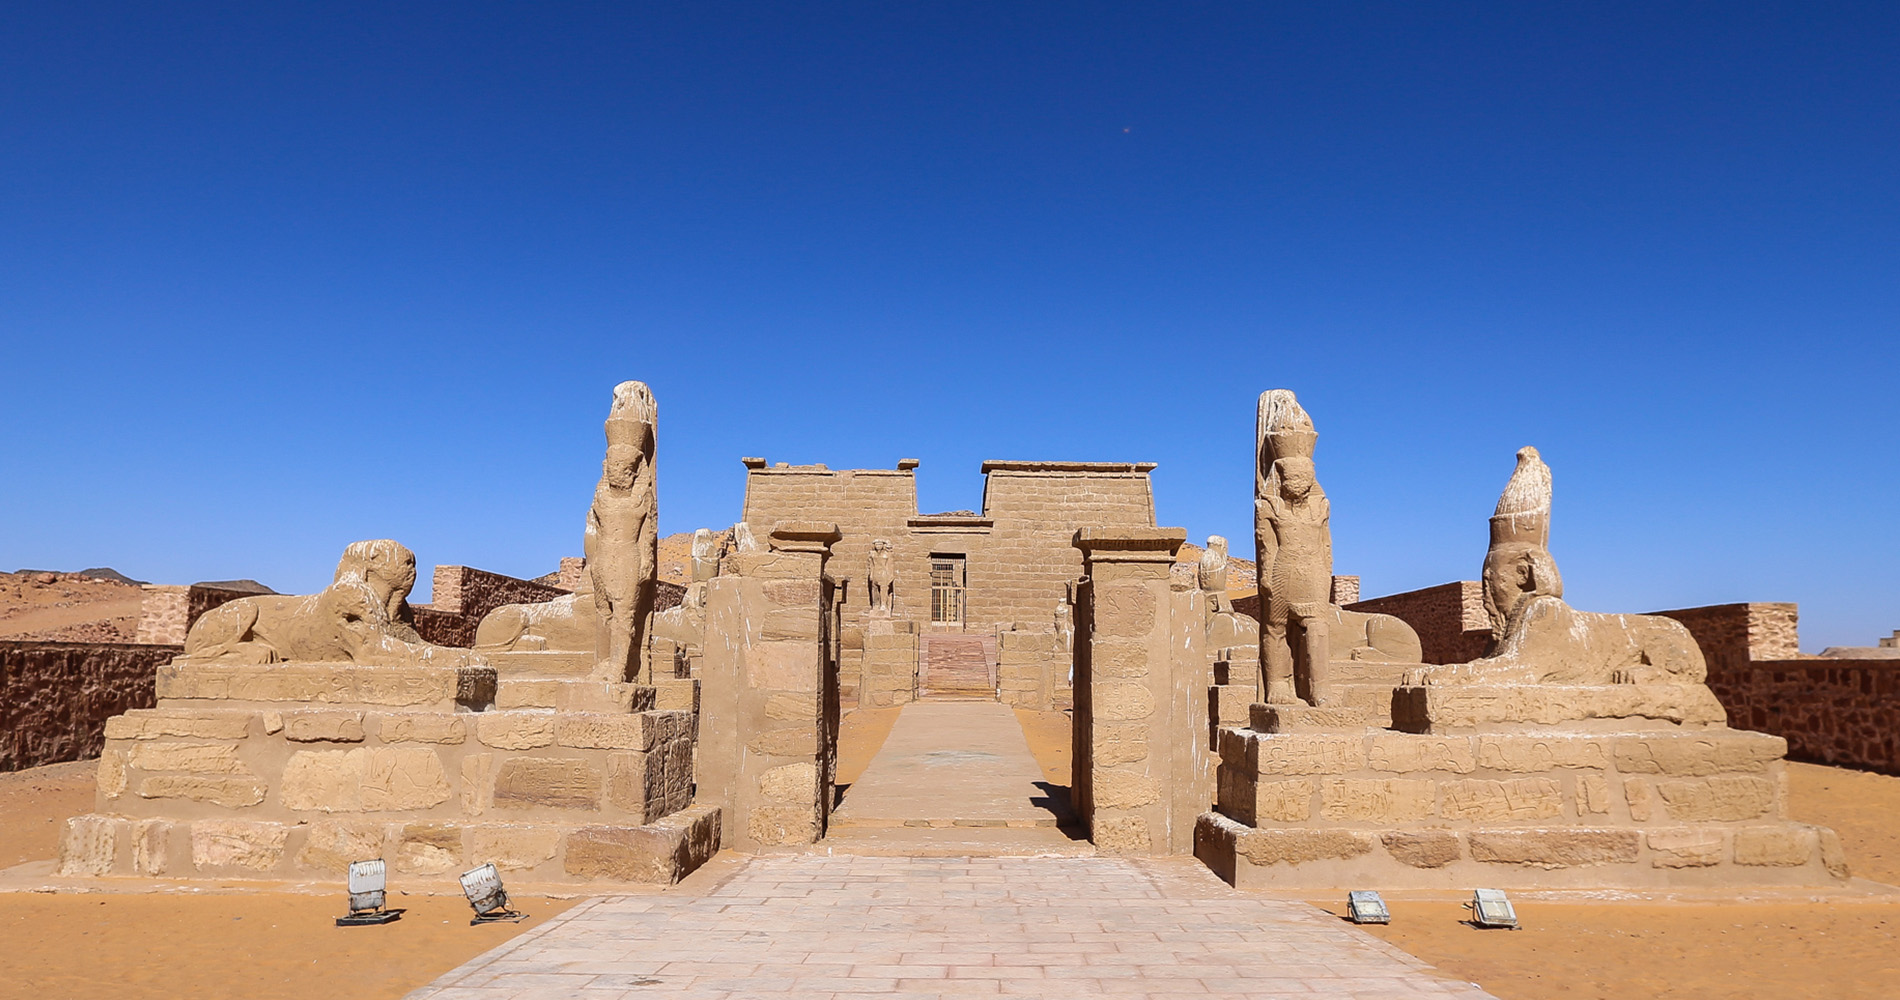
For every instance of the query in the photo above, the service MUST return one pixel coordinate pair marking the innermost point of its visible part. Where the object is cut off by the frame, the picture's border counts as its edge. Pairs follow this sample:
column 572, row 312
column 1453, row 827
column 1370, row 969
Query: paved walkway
column 819, row 927
column 950, row 763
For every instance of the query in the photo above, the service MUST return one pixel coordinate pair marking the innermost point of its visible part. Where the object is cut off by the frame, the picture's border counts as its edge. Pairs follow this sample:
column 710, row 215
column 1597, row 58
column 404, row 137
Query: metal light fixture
column 483, row 888
column 1363, row 906
column 1490, row 908
column 367, row 882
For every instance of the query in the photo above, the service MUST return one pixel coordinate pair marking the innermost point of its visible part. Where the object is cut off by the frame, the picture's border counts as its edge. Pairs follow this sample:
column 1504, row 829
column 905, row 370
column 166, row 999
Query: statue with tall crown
column 622, row 541
column 1300, row 627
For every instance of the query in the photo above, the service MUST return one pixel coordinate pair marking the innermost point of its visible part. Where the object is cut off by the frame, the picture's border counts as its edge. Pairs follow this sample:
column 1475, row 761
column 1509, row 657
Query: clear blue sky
column 274, row 277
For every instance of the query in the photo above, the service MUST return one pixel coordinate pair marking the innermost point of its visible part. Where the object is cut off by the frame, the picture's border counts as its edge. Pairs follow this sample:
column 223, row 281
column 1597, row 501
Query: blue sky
column 278, row 277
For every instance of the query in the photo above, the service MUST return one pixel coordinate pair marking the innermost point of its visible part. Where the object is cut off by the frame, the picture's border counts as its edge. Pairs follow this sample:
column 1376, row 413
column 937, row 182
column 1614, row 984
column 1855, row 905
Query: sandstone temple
column 607, row 726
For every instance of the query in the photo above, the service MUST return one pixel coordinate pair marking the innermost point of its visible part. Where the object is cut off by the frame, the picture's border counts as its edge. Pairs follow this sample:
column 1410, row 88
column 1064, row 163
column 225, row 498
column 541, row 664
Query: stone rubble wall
column 1733, row 635
column 55, row 697
column 1840, row 712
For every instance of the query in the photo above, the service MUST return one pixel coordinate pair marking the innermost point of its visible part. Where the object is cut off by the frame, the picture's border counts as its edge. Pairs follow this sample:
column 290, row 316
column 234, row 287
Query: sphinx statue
column 362, row 617
column 565, row 623
column 1536, row 638
column 1301, row 630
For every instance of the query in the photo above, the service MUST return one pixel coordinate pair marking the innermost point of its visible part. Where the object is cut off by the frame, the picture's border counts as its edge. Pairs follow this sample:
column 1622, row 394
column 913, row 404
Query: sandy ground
column 283, row 944
column 63, row 606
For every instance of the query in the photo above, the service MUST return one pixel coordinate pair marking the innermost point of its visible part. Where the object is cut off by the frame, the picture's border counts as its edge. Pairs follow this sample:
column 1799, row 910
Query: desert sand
column 67, row 607
column 237, row 942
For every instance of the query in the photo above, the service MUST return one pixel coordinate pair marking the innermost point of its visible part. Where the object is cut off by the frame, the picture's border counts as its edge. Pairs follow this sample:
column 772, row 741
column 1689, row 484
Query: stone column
column 768, row 698
column 1142, row 767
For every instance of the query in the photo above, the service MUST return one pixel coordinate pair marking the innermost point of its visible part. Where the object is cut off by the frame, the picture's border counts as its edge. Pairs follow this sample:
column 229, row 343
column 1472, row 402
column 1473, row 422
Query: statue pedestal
column 292, row 770
column 1557, row 807
column 1440, row 708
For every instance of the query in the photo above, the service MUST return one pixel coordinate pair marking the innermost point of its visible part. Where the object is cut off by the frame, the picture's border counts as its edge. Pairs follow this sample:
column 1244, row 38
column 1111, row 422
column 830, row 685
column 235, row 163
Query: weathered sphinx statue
column 1301, row 630
column 362, row 617
column 1536, row 638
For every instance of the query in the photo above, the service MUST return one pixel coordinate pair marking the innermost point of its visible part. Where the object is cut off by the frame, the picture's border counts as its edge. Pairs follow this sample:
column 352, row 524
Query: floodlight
column 367, row 881
column 483, row 888
column 1490, row 908
column 1363, row 906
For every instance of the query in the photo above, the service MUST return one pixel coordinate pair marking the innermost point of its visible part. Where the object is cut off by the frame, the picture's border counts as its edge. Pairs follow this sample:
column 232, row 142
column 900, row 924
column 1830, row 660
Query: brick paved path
column 820, row 927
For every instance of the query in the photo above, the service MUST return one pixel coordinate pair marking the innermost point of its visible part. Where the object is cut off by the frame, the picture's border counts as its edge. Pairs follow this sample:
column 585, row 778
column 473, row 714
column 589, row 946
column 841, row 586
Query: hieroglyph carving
column 622, row 539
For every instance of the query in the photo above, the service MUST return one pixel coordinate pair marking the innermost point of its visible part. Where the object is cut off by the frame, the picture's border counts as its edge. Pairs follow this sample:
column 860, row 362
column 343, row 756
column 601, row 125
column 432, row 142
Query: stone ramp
column 957, row 666
column 815, row 927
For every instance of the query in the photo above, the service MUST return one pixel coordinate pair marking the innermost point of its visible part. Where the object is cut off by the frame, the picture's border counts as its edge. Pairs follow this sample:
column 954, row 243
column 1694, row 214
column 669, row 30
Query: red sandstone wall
column 1732, row 636
column 55, row 697
column 1841, row 712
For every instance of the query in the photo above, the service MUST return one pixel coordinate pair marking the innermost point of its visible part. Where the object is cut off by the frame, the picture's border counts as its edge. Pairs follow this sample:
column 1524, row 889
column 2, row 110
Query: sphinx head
column 1515, row 572
column 384, row 566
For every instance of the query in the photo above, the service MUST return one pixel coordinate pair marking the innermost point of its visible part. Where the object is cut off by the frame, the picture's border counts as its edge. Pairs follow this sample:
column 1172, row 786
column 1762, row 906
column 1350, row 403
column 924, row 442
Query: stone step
column 540, row 663
column 572, row 695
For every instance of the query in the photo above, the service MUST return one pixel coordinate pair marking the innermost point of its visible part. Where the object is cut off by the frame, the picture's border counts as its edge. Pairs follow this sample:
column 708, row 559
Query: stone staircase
column 957, row 666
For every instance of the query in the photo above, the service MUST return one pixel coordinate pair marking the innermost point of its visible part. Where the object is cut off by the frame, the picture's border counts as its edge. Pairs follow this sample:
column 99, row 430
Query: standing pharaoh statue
column 622, row 539
column 1294, row 547
column 882, row 575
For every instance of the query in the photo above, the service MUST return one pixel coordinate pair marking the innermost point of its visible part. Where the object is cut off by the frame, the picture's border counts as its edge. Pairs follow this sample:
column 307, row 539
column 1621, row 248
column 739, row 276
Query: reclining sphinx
column 1536, row 638
column 362, row 617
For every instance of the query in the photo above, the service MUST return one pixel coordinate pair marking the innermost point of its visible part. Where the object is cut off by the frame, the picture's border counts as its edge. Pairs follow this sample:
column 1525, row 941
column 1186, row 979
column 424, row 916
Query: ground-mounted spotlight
column 367, row 882
column 483, row 888
column 1490, row 908
column 1363, row 906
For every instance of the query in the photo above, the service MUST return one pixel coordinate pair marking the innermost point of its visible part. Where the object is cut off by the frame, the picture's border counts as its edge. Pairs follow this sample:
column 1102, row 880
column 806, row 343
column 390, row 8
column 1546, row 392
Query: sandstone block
column 1120, row 743
column 1301, row 753
column 782, row 666
column 228, row 791
column 795, row 784
column 1119, row 789
column 1641, row 800
column 1289, row 801
column 1124, row 609
column 90, row 845
column 324, row 727
column 1832, row 856
column 200, row 758
column 1776, row 846
column 1722, row 798
column 228, row 843
column 1514, row 798
column 792, row 593
column 1123, row 659
column 1397, row 800
column 111, row 777
column 400, row 778
column 1680, row 755
column 791, row 623
column 151, row 846
column 608, row 732
column 555, row 782
column 1593, row 794
column 478, row 782
column 636, row 783
column 795, row 741
column 1537, row 754
column 515, row 730
column 1686, row 848
column 782, row 825
column 429, row 848
column 514, row 848
column 1403, row 753
column 323, row 780
column 152, row 724
column 1122, row 836
column 1123, row 701
column 423, row 727
column 1552, row 849
column 1423, row 849
column 1269, row 847
column 330, row 845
